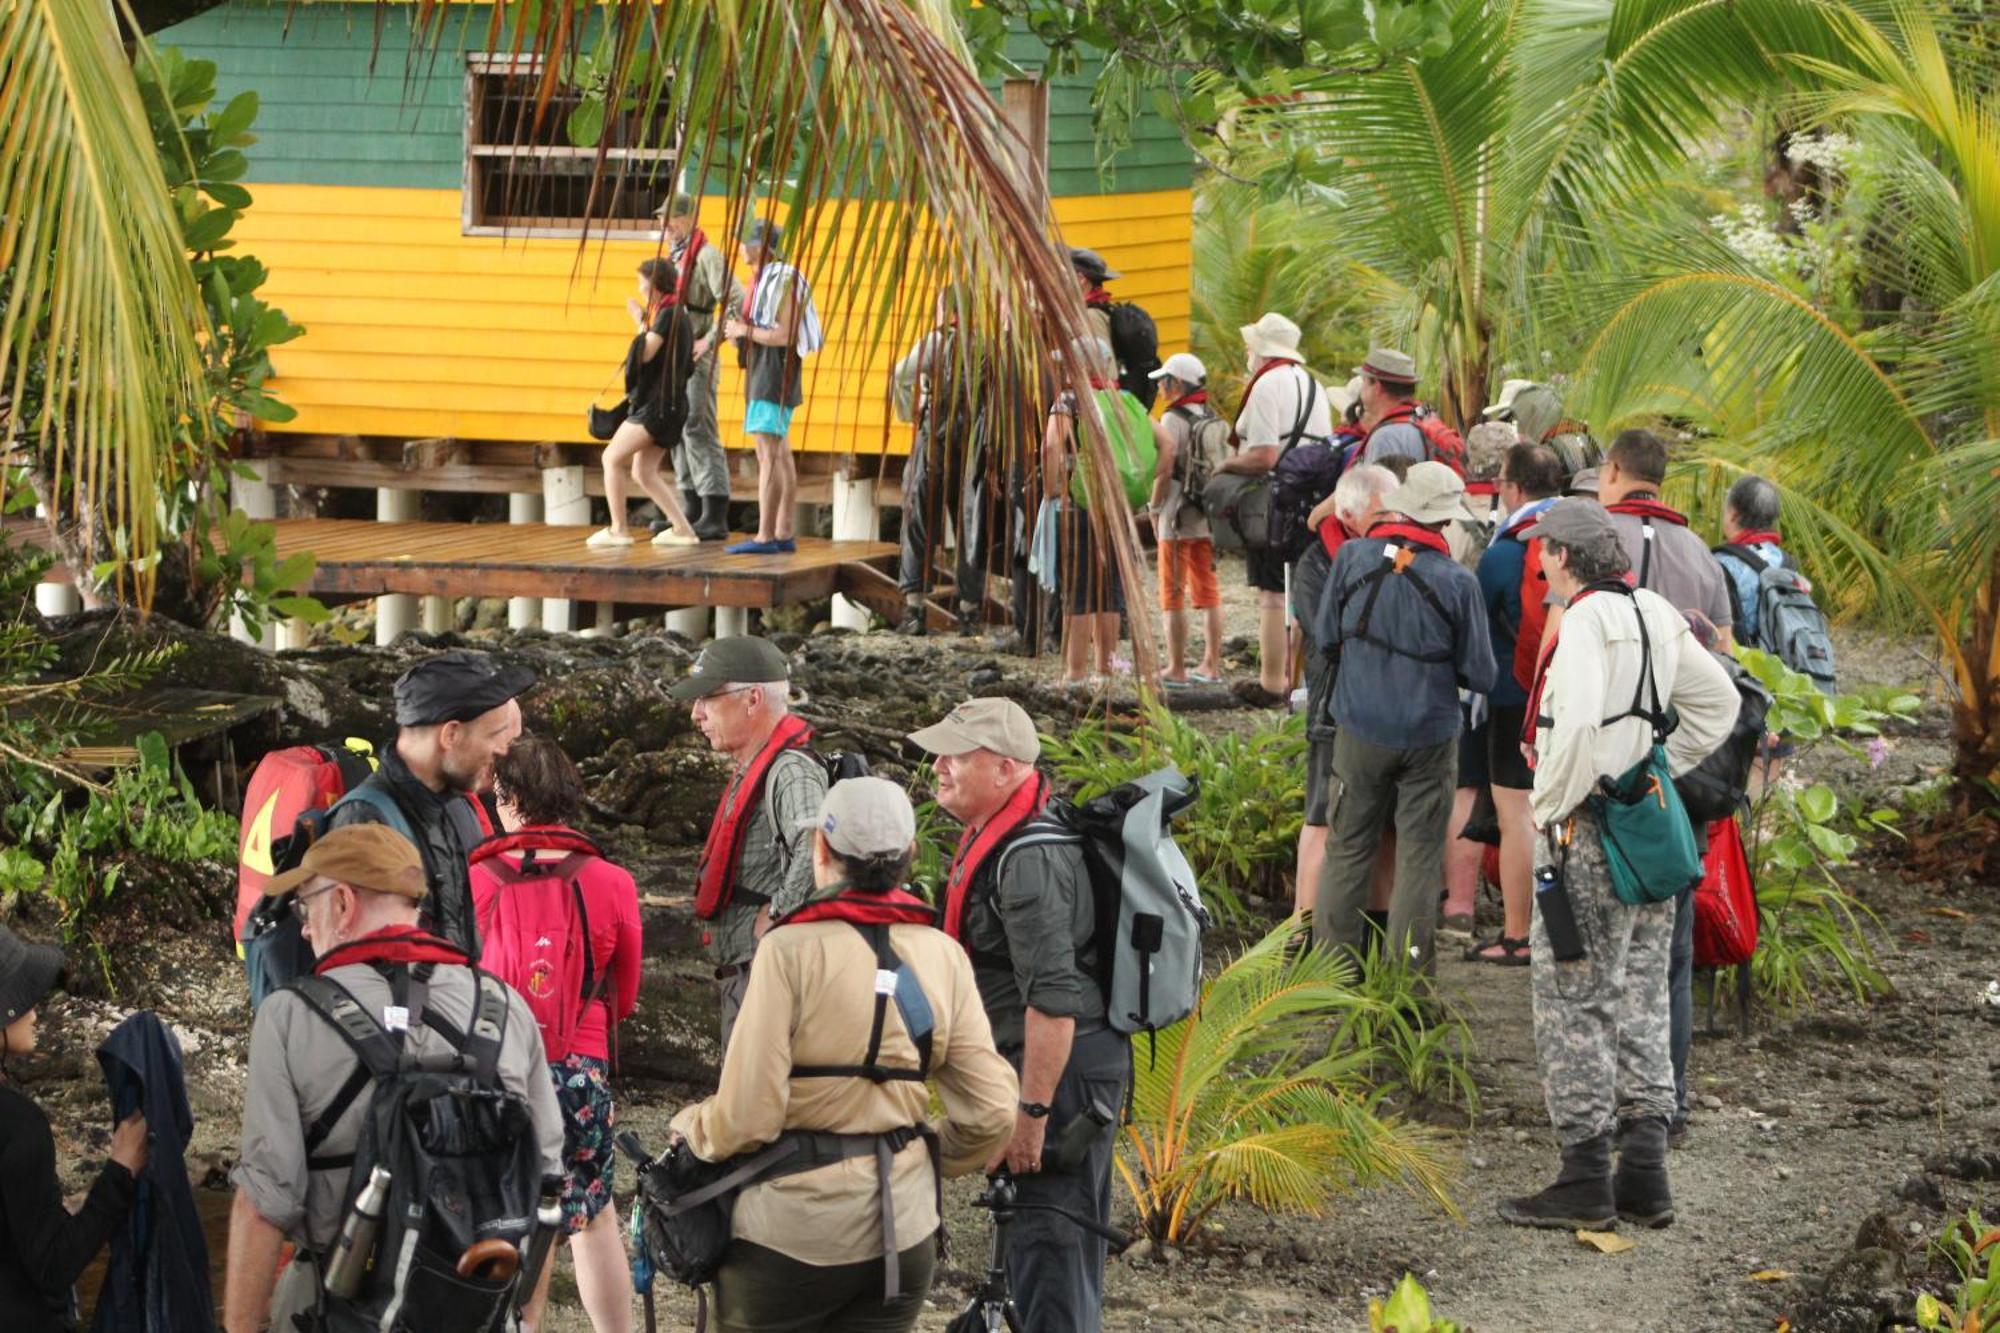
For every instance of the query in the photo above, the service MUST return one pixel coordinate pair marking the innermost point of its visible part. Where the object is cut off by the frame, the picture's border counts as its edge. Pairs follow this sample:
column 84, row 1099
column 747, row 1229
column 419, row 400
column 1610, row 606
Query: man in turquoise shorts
column 775, row 331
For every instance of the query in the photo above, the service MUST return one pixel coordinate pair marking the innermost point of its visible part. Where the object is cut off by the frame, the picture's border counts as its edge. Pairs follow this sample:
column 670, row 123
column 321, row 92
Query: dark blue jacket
column 1408, row 642
column 157, row 1279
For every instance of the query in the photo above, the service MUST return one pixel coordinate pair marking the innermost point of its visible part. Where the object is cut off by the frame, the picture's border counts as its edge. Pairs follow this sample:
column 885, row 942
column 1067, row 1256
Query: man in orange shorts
column 1191, row 439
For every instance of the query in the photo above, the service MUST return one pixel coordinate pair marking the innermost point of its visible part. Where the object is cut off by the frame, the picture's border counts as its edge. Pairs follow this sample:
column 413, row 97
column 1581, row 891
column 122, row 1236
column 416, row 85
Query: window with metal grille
column 523, row 175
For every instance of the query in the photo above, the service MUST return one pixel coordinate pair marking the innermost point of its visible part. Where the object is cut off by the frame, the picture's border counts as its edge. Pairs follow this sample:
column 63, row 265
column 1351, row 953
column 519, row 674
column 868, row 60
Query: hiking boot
column 914, row 622
column 1640, row 1185
column 710, row 516
column 1581, row 1198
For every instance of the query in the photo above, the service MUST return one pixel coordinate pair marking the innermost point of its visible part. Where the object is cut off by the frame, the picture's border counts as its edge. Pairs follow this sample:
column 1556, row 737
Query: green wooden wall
column 327, row 120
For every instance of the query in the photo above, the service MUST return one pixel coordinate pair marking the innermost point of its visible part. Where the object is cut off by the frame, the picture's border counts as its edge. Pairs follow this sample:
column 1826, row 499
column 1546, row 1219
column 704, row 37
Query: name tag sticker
column 885, row 982
column 395, row 1018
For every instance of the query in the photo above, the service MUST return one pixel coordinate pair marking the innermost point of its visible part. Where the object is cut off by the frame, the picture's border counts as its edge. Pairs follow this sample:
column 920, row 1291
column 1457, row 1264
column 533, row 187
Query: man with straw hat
column 1410, row 626
column 1282, row 405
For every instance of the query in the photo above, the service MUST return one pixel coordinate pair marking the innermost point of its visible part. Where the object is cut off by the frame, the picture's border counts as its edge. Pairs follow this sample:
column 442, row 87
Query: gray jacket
column 1408, row 642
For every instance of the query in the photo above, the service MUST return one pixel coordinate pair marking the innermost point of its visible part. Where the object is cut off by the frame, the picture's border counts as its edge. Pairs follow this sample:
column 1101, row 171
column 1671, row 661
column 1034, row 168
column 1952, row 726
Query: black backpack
column 1714, row 789
column 1135, row 343
column 461, row 1150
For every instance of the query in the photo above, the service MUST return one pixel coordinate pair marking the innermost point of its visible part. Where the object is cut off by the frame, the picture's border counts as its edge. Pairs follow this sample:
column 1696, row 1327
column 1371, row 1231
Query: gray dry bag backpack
column 1150, row 917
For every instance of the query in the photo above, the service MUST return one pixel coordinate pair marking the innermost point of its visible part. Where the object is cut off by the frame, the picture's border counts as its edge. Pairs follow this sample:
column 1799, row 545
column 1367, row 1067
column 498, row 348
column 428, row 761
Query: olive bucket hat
column 28, row 972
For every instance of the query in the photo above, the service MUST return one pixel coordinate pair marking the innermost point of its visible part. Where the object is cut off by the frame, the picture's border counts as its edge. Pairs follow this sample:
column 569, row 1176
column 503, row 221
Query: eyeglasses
column 299, row 903
column 718, row 694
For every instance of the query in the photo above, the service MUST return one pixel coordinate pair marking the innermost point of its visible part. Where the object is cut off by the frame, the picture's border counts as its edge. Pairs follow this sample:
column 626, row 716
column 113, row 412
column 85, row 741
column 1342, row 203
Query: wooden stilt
column 398, row 612
column 522, row 612
column 855, row 518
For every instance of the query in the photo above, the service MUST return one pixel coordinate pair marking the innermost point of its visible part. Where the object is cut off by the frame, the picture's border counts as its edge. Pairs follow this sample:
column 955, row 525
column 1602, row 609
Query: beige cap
column 865, row 817
column 362, row 856
column 999, row 725
column 1431, row 493
column 1386, row 363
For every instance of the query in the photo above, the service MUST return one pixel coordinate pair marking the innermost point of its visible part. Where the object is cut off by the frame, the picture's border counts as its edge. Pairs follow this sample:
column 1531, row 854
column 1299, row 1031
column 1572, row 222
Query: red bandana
column 392, row 944
column 1647, row 506
column 890, row 908
column 1413, row 534
column 975, row 846
column 716, row 882
column 695, row 242
column 1198, row 396
column 1097, row 298
column 1756, row 537
column 1531, row 715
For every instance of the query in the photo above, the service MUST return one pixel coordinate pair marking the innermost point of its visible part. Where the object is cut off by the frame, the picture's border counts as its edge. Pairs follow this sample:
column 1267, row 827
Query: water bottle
column 1558, row 918
column 356, row 1245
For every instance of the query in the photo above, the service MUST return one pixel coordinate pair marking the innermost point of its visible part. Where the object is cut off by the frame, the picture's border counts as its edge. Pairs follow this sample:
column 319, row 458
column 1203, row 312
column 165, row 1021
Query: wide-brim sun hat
column 1430, row 493
column 1271, row 335
column 28, row 972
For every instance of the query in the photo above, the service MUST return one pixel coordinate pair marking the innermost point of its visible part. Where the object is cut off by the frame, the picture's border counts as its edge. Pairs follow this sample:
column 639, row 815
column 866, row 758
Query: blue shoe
column 752, row 548
column 784, row 546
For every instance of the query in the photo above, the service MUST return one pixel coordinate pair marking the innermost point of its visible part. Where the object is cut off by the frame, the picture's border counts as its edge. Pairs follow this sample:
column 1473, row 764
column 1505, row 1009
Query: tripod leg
column 1013, row 1318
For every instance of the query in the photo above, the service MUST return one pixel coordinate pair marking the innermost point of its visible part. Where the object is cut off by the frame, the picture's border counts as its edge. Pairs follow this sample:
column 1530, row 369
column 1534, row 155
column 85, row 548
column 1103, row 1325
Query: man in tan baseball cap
column 1034, row 966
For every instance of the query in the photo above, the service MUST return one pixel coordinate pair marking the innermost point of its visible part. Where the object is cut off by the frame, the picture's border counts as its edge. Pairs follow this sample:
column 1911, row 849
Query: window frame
column 481, row 66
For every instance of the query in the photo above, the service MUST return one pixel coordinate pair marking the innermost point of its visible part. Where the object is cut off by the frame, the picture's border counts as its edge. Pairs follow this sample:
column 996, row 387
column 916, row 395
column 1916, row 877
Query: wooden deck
column 363, row 558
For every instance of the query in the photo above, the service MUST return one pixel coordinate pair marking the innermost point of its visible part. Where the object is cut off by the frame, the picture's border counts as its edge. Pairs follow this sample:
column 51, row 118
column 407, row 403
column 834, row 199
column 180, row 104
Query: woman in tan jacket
column 814, row 1246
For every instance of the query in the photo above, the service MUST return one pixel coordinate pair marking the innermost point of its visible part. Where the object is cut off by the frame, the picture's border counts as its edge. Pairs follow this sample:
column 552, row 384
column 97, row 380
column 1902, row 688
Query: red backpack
column 286, row 784
column 1442, row 444
column 533, row 929
column 1725, row 903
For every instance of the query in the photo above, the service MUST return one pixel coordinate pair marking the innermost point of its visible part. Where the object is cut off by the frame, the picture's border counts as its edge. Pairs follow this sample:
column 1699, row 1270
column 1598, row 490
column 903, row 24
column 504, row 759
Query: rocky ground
column 1830, row 1145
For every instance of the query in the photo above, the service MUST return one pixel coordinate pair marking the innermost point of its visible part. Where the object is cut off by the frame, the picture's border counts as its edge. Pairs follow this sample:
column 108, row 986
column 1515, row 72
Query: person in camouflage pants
column 1601, row 1021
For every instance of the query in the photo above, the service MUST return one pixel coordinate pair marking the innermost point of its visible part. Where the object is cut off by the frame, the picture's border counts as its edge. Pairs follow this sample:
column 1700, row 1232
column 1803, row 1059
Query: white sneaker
column 606, row 537
column 672, row 538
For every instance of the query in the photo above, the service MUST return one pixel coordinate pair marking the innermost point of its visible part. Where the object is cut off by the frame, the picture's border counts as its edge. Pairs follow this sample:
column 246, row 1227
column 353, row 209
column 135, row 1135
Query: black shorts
column 1472, row 756
column 1267, row 569
column 1319, row 782
column 1506, row 766
column 1090, row 580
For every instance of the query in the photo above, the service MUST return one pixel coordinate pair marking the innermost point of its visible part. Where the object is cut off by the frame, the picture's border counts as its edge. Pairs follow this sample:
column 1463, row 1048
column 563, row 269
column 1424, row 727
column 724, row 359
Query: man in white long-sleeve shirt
column 1601, row 1022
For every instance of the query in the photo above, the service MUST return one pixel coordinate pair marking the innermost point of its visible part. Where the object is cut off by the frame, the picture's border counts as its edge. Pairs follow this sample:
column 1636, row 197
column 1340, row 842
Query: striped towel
column 768, row 298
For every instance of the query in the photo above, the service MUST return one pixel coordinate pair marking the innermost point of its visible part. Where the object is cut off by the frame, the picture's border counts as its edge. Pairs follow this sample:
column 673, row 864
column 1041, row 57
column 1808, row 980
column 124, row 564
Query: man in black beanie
column 455, row 714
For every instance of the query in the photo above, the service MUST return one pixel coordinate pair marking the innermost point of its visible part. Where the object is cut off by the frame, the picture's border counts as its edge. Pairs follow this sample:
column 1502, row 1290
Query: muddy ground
column 1830, row 1145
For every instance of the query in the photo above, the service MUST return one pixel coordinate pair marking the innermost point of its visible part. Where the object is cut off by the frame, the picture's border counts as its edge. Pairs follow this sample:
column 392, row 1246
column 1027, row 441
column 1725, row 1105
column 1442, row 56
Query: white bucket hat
column 1272, row 335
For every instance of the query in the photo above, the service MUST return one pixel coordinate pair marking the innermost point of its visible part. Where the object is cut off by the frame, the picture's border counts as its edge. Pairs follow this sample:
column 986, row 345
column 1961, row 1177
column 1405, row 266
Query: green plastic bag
column 1649, row 843
column 1133, row 452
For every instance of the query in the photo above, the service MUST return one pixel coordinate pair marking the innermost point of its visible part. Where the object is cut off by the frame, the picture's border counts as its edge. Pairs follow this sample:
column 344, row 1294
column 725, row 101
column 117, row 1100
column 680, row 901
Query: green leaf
column 1818, row 803
column 309, row 609
column 1834, row 845
column 227, row 165
column 586, row 123
column 294, row 570
column 225, row 125
column 152, row 748
column 209, row 227
column 229, row 196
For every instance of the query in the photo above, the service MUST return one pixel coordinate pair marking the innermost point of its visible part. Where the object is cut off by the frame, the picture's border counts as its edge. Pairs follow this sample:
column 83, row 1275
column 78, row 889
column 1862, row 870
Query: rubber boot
column 916, row 621
column 1640, row 1185
column 1580, row 1200
column 710, row 516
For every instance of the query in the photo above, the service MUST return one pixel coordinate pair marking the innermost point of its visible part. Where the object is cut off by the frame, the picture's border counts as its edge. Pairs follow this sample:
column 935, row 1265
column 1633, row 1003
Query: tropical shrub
column 1243, row 826
column 1408, row 1310
column 1811, row 933
column 1234, row 1103
column 1975, row 1297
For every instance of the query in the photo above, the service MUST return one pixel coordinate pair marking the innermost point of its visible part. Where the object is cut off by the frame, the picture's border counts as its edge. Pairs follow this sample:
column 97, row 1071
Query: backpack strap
column 489, row 1026
column 377, row 1055
column 892, row 978
column 1307, row 401
column 1402, row 563
column 385, row 804
column 1656, row 715
column 1645, row 552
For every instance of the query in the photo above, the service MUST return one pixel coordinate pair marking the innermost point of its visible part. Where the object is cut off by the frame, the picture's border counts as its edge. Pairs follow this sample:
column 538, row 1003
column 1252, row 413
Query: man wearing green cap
column 706, row 288
column 756, row 865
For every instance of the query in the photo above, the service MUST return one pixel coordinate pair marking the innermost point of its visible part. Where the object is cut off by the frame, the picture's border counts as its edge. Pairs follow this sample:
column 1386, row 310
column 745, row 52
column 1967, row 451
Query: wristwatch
column 1035, row 1110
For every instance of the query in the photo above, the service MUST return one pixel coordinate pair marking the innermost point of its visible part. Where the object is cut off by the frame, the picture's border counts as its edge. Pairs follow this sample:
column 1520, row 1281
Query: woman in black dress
column 656, row 375
column 43, row 1246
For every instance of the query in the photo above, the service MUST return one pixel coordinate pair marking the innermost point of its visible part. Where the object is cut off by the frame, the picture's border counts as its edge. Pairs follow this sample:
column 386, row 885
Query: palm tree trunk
column 1977, row 720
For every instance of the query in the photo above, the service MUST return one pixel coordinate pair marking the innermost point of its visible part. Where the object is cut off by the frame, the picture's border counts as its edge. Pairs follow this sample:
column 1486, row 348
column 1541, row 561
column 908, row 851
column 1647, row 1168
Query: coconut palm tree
column 1887, row 439
column 100, row 322
column 1459, row 182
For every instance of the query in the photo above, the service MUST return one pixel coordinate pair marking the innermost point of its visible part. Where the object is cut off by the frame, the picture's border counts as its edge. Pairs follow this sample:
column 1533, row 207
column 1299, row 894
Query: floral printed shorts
column 583, row 1090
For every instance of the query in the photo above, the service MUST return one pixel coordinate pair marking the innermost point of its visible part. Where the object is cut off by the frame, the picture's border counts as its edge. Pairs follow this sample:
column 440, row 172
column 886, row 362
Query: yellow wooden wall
column 414, row 330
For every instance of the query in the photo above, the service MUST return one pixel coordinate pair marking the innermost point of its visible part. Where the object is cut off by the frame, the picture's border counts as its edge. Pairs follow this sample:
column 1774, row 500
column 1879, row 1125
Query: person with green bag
column 1623, row 699
column 1094, row 594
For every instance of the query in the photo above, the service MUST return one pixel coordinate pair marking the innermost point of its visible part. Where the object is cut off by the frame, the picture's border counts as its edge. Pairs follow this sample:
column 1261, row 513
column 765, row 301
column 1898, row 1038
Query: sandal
column 1513, row 952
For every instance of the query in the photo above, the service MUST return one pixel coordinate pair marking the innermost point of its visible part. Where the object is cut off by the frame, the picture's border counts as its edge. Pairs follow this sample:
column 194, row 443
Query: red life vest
column 696, row 242
column 715, row 884
column 392, row 944
column 895, row 907
column 1534, row 594
column 1442, row 444
column 973, row 848
column 1412, row 534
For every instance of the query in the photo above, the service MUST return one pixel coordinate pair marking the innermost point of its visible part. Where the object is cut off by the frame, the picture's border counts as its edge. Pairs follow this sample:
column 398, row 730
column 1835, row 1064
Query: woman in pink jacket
column 560, row 924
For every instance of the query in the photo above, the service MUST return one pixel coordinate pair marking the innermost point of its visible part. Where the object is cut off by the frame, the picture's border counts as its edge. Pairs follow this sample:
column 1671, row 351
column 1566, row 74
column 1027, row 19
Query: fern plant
column 1233, row 1103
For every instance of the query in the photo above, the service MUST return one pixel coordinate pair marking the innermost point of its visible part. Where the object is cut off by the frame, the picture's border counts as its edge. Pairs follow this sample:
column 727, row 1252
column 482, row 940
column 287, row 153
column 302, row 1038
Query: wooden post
column 855, row 518
column 564, row 503
column 395, row 612
column 523, row 612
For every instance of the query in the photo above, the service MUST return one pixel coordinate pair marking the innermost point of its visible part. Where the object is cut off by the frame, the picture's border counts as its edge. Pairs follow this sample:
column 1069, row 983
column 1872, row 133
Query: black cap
column 742, row 659
column 1091, row 264
column 456, row 686
column 27, row 973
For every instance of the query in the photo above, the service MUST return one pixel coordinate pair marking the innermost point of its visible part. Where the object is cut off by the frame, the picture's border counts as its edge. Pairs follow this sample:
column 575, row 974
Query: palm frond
column 101, row 322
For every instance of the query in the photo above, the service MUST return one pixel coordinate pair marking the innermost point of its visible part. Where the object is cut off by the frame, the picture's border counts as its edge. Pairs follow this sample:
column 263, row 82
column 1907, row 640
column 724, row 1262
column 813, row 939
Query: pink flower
column 1878, row 752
